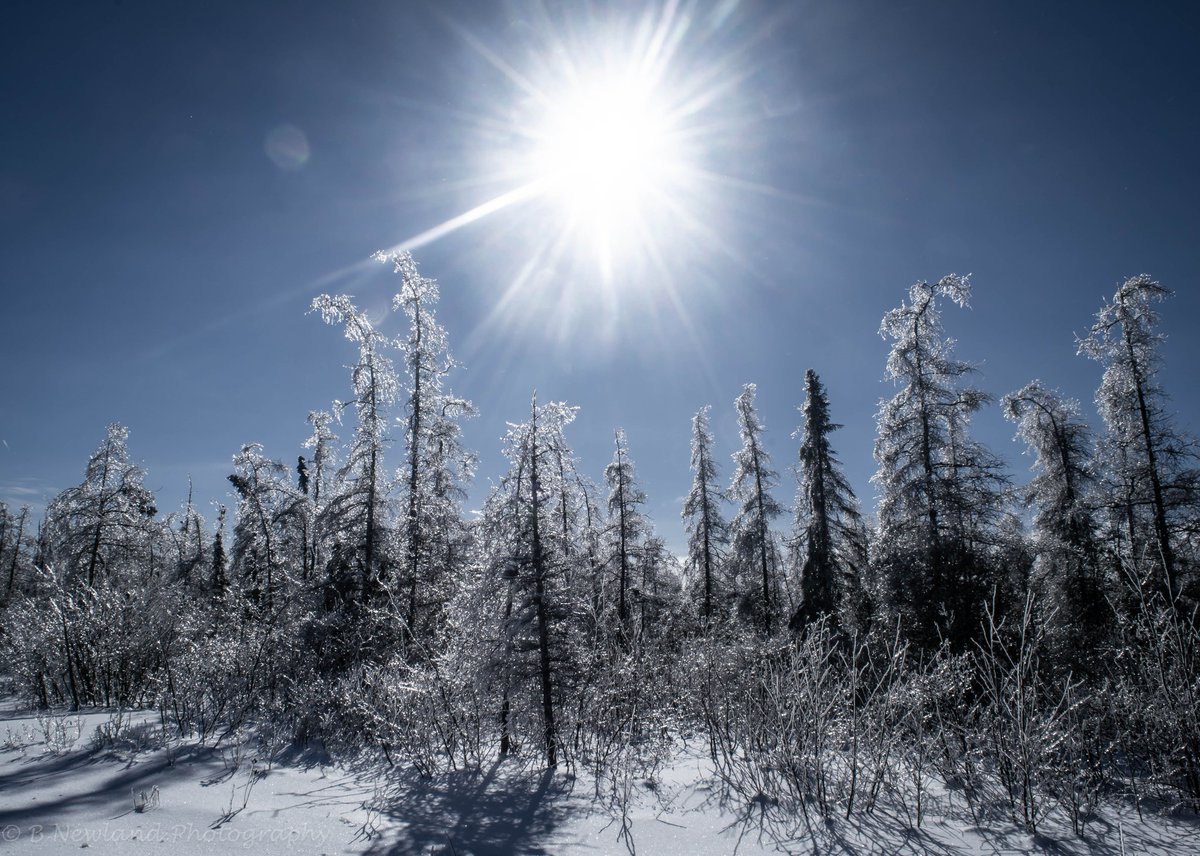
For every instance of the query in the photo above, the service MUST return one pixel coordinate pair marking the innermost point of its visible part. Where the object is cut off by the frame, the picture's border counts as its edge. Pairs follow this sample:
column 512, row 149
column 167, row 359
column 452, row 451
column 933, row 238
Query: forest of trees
column 1039, row 646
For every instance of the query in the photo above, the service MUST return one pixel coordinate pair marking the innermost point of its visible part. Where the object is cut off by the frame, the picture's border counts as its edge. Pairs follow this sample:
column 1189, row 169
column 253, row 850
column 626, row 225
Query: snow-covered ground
column 62, row 791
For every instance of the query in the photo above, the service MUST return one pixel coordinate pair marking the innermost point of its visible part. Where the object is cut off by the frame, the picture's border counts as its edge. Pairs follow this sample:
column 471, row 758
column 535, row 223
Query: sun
column 599, row 150
column 606, row 150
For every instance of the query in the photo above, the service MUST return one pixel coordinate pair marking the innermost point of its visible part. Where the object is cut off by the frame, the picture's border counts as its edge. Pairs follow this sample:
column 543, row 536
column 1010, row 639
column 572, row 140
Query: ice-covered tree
column 1150, row 467
column 828, row 531
column 190, row 542
column 707, row 529
column 940, row 491
column 628, row 526
column 14, row 543
column 355, row 518
column 753, row 548
column 317, row 475
column 437, row 466
column 220, row 574
column 269, row 531
column 525, row 563
column 105, row 526
column 1067, row 571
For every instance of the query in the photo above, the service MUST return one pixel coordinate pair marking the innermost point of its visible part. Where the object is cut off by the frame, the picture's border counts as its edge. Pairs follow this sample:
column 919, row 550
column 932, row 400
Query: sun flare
column 607, row 152
column 601, row 146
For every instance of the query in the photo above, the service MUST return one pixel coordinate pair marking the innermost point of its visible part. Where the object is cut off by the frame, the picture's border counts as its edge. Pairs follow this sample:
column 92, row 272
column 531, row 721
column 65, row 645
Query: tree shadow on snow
column 500, row 811
column 951, row 828
column 110, row 794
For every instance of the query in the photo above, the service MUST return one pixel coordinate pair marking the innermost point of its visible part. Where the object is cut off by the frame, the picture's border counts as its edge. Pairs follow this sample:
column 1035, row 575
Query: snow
column 61, row 792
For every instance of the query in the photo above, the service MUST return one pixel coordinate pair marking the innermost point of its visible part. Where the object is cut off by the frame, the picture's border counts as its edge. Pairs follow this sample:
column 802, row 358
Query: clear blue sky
column 177, row 182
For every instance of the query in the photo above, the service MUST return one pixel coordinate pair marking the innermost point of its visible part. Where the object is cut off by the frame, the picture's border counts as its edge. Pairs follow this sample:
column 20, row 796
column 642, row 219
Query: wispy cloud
column 32, row 492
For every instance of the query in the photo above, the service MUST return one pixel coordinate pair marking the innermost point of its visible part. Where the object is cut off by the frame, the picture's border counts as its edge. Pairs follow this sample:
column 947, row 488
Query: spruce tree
column 940, row 491
column 1147, row 463
column 708, row 532
column 754, row 552
column 436, row 467
column 828, row 532
column 629, row 527
column 1068, row 582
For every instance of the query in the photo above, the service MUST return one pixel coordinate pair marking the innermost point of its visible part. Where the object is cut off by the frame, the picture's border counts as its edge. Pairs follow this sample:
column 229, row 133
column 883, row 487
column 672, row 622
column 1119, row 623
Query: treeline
column 823, row 660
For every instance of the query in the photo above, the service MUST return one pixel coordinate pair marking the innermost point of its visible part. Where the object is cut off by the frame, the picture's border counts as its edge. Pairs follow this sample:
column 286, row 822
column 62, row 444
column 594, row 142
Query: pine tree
column 1067, row 570
column 269, row 531
column 629, row 527
column 356, row 517
column 1147, row 462
column 321, row 470
column 12, row 546
column 828, row 527
column 535, row 606
column 220, row 578
column 940, row 492
column 437, row 467
column 708, row 532
column 754, row 553
column 105, row 526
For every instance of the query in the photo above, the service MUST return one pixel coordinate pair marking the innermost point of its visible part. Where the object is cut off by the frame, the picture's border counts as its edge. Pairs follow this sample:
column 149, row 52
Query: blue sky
column 177, row 183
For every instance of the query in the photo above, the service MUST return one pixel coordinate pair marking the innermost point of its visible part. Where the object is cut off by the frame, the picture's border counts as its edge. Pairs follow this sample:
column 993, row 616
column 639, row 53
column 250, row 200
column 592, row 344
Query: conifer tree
column 191, row 547
column 220, row 579
column 12, row 545
column 1067, row 572
column 1146, row 462
column 940, row 491
column 356, row 516
column 105, row 526
column 828, row 532
column 754, row 551
column 629, row 527
column 535, row 630
column 708, row 532
column 437, row 466
column 321, row 471
column 269, row 533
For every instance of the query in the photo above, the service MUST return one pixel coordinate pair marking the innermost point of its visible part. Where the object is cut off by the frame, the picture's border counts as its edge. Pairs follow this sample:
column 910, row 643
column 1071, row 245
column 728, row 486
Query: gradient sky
column 178, row 181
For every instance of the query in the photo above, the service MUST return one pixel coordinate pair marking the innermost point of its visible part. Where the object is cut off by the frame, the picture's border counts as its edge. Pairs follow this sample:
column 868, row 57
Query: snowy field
column 105, row 782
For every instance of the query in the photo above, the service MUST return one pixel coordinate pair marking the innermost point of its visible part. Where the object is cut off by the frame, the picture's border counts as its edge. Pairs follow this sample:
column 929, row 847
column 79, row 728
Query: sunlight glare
column 606, row 151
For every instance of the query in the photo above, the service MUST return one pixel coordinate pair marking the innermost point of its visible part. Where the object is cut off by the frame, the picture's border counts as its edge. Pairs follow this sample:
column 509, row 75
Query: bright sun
column 599, row 147
column 607, row 152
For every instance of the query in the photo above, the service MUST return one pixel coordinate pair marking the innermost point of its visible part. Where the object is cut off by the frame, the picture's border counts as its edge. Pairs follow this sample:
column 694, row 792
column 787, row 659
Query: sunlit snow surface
column 57, row 802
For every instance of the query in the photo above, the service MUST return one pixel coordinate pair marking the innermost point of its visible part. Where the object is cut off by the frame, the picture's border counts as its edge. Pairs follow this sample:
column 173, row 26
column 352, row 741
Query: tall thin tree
column 828, row 531
column 753, row 543
column 940, row 491
column 708, row 531
column 1146, row 459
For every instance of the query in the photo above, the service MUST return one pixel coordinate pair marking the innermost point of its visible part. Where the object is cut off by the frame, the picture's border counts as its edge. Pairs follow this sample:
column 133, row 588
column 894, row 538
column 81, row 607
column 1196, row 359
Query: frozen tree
column 269, row 532
column 1067, row 570
column 355, row 517
column 220, row 577
column 186, row 531
column 829, row 536
column 318, row 473
column 323, row 443
column 1148, row 464
column 12, row 546
column 526, row 564
column 628, row 526
column 579, row 529
column 754, row 554
column 708, row 532
column 105, row 526
column 590, row 527
column 437, row 466
column 940, row 491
